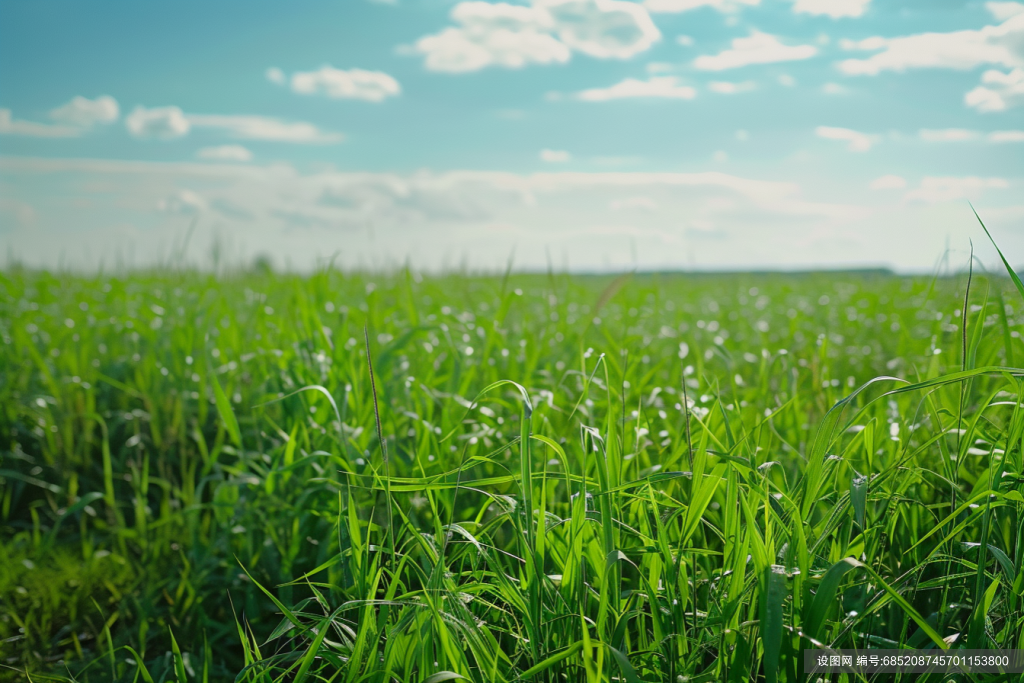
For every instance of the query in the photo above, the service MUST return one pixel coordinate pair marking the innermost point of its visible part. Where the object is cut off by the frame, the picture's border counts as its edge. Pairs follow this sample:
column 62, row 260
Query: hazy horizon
column 599, row 135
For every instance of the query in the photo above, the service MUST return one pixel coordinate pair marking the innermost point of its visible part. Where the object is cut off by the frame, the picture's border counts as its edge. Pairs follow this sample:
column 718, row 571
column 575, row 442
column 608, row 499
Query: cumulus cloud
column 935, row 190
column 12, row 126
column 757, row 48
column 728, row 88
column 352, row 84
column 81, row 111
column 888, row 182
column 947, row 135
column 666, row 87
column 1000, row 136
column 171, row 122
column 158, row 122
column 857, row 141
column 225, row 153
column 832, row 8
column 543, row 32
column 1001, row 45
column 555, row 156
column 1002, row 11
column 687, row 5
column 1000, row 91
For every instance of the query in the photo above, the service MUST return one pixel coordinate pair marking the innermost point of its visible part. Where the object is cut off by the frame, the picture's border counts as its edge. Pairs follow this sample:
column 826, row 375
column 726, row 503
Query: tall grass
column 545, row 478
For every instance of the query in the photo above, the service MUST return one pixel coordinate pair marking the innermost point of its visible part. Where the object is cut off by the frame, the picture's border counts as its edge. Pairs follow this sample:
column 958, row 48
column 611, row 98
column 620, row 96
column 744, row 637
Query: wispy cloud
column 543, row 32
column 225, row 153
column 183, row 201
column 948, row 135
column 12, row 126
column 664, row 87
column 998, row 45
column 633, row 203
column 832, row 8
column 757, row 48
column 729, row 88
column 856, row 140
column 888, row 182
column 1001, row 136
column 687, row 5
column 352, row 84
column 171, row 122
column 934, row 190
column 265, row 128
column 835, row 89
column 302, row 216
column 555, row 156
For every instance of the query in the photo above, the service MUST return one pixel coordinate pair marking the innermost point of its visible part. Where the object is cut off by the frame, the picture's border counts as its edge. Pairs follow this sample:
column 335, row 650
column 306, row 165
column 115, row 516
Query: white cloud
column 668, row 87
column 728, row 88
column 787, row 80
column 353, row 84
column 544, row 32
column 11, row 126
column 757, row 48
column 888, row 182
column 22, row 213
column 81, row 111
column 1006, row 136
column 634, row 203
column 1000, row 92
column 684, row 40
column 458, row 50
column 265, row 128
column 660, row 67
column 832, row 8
column 428, row 217
column 171, row 122
column 947, row 135
column 276, row 76
column 687, row 5
column 834, row 89
column 934, row 190
column 183, row 201
column 158, row 122
column 1001, row 45
column 555, row 156
column 225, row 153
column 1002, row 11
column 858, row 141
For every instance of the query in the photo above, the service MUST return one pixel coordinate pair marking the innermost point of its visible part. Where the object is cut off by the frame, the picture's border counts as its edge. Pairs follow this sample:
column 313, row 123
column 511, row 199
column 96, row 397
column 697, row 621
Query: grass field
column 648, row 478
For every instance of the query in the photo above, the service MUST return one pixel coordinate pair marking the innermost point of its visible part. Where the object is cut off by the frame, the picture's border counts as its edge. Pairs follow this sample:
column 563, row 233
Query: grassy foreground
column 193, row 484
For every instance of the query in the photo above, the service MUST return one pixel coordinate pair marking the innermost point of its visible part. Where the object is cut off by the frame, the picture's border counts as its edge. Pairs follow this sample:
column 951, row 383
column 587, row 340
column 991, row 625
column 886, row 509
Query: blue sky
column 599, row 134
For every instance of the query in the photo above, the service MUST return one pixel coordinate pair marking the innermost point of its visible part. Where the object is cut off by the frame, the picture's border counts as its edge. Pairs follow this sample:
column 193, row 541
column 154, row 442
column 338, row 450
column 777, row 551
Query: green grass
column 542, row 498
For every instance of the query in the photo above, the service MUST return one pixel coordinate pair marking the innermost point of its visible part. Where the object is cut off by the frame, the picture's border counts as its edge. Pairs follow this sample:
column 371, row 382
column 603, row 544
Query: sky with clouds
column 585, row 134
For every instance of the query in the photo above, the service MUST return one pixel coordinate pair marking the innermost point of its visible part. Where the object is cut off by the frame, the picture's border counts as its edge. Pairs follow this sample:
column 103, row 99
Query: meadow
column 546, row 477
